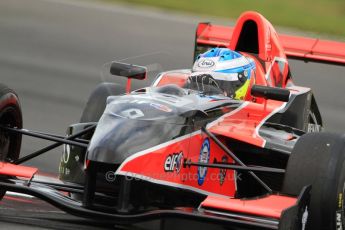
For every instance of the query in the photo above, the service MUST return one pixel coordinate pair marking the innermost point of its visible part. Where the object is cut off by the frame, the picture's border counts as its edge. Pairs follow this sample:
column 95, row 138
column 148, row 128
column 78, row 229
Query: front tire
column 318, row 159
column 11, row 116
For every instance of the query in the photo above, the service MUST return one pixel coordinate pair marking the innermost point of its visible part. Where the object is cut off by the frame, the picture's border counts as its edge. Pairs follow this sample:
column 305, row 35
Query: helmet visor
column 233, row 85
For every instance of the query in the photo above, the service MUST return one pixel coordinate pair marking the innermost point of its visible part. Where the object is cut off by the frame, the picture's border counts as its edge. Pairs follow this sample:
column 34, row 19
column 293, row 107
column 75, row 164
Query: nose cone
column 115, row 139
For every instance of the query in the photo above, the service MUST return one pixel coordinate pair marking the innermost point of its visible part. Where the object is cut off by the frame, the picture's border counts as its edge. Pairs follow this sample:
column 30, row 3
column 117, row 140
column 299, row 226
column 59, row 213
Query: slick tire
column 97, row 101
column 10, row 115
column 318, row 159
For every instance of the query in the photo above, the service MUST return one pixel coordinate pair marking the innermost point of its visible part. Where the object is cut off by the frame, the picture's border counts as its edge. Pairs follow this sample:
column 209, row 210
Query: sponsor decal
column 203, row 158
column 161, row 107
column 305, row 218
column 339, row 220
column 66, row 153
column 64, row 170
column 312, row 128
column 132, row 113
column 173, row 162
column 110, row 176
column 222, row 172
column 340, row 200
column 206, row 63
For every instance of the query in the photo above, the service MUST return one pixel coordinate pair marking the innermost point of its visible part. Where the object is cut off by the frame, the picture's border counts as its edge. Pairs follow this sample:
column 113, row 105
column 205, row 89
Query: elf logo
column 173, row 162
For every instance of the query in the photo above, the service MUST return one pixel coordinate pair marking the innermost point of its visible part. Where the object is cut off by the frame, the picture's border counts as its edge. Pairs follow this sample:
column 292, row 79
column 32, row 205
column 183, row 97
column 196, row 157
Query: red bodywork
column 241, row 124
column 272, row 44
column 270, row 206
column 17, row 170
column 270, row 54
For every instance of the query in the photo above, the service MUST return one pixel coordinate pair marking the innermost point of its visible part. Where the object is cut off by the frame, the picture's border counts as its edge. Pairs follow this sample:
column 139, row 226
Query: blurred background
column 52, row 52
column 320, row 16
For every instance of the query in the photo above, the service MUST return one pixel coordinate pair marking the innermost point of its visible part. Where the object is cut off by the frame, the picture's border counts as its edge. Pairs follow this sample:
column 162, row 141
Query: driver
column 230, row 70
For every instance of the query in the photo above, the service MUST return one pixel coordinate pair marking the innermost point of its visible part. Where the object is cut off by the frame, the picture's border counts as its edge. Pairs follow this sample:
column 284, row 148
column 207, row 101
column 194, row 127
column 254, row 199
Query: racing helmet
column 231, row 70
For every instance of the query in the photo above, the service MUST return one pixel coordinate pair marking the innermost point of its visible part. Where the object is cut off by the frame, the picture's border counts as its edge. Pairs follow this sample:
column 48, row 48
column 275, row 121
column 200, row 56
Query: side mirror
column 128, row 70
column 273, row 93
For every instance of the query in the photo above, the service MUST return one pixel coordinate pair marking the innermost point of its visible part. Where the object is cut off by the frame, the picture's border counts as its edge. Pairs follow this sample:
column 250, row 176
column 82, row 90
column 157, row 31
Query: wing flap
column 9, row 169
column 290, row 212
column 213, row 35
column 271, row 206
column 301, row 48
column 313, row 49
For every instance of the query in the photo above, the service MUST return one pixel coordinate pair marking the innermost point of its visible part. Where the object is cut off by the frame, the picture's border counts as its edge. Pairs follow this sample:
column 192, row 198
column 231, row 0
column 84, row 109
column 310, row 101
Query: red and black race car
column 185, row 149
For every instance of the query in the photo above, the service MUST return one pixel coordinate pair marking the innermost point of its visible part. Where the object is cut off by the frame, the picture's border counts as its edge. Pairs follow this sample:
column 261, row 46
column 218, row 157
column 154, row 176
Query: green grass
column 321, row 16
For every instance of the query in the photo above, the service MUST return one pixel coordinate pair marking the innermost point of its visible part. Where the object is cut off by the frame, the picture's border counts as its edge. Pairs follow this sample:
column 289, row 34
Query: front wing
column 269, row 212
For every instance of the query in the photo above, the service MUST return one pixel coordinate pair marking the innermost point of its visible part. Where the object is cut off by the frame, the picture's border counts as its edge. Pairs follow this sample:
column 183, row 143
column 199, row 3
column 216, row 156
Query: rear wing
column 301, row 48
column 313, row 49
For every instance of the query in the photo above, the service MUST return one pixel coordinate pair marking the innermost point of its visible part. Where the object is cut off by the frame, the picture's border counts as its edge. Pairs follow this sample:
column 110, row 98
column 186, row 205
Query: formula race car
column 231, row 142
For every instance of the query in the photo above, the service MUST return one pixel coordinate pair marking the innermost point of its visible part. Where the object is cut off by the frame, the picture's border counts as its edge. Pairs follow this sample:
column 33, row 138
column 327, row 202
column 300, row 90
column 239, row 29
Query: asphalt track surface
column 52, row 53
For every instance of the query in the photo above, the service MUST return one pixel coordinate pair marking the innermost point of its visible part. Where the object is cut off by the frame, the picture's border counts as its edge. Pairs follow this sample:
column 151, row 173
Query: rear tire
column 97, row 101
column 318, row 159
column 10, row 115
